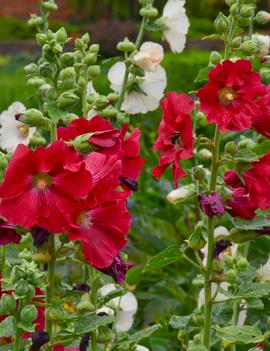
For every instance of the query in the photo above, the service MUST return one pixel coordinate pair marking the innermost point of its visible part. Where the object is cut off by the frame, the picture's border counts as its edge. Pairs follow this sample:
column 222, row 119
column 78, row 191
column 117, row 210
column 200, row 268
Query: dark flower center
column 176, row 140
column 227, row 95
column 42, row 181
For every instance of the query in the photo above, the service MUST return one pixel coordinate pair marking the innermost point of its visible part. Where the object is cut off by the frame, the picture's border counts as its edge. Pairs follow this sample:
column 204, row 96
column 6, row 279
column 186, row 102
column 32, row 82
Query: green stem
column 18, row 331
column 211, row 246
column 94, row 300
column 53, row 131
column 50, row 286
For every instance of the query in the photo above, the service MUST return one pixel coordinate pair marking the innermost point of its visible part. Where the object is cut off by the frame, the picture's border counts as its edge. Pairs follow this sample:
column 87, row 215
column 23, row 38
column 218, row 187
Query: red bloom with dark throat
column 175, row 140
column 230, row 97
column 41, row 187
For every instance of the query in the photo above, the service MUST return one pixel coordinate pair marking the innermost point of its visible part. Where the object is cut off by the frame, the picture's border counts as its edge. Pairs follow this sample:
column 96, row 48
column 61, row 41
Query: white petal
column 264, row 272
column 155, row 83
column 106, row 289
column 176, row 40
column 135, row 103
column 91, row 89
column 106, row 310
column 124, row 321
column 116, row 76
column 128, row 302
column 172, row 7
column 141, row 348
column 150, row 56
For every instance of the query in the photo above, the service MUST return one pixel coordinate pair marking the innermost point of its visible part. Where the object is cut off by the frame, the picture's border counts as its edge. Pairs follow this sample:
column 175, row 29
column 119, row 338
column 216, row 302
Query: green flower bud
column 86, row 38
column 93, row 71
column 205, row 155
column 25, row 255
column 215, row 57
column 55, row 314
column 50, row 35
column 244, row 21
column 67, row 99
column 69, row 117
column 85, row 304
column 78, row 55
column 182, row 194
column 32, row 118
column 242, row 263
column 42, row 257
column 105, row 335
column 47, row 69
column 49, row 6
column 57, row 49
column 91, row 98
column 265, row 75
column 3, row 162
column 22, row 289
column 196, row 240
column 113, row 97
column 35, row 81
column 81, row 143
column 262, row 17
column 234, row 10
column 90, row 58
column 149, row 12
column 94, row 48
column 68, row 72
column 38, row 141
column 247, row 10
column 231, row 276
column 61, row 35
column 249, row 47
column 231, row 148
column 229, row 261
column 8, row 304
column 67, row 59
column 198, row 173
column 109, row 112
column 198, row 282
column 31, row 68
column 236, row 42
column 35, row 21
column 126, row 45
column 29, row 314
column 101, row 102
column 41, row 38
column 46, row 48
column 221, row 23
column 246, row 143
column 79, row 44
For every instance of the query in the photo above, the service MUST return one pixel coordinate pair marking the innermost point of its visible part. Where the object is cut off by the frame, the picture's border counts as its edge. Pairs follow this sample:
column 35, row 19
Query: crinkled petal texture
column 230, row 98
column 262, row 120
column 257, row 181
column 177, row 24
column 41, row 189
column 175, row 135
column 102, row 231
column 152, row 89
column 239, row 205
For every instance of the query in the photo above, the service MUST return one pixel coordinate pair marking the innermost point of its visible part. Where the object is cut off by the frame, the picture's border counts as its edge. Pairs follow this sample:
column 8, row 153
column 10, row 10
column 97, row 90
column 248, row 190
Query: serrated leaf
column 241, row 335
column 256, row 224
column 241, row 236
column 203, row 75
column 7, row 327
column 65, row 336
column 90, row 322
column 179, row 322
column 168, row 256
column 55, row 112
column 254, row 290
column 245, row 156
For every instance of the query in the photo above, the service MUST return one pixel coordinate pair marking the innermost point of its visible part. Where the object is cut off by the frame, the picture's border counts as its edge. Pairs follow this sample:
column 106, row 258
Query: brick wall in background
column 23, row 8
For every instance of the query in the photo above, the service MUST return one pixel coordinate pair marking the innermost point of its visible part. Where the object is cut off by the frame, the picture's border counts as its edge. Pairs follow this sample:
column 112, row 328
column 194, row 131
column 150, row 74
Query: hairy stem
column 211, row 246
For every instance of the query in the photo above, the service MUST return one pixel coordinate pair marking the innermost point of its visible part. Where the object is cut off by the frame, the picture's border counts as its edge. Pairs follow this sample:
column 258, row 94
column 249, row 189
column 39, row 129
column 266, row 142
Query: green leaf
column 168, row 256
column 254, row 290
column 7, row 327
column 239, row 236
column 262, row 148
column 255, row 304
column 134, row 275
column 90, row 322
column 246, row 156
column 179, row 322
column 212, row 36
column 113, row 294
column 256, row 224
column 65, row 336
column 55, row 112
column 203, row 75
column 242, row 335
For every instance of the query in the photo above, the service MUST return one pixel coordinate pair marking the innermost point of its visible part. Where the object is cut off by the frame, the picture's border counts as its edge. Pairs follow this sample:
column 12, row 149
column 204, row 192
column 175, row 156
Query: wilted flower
column 126, row 307
column 149, row 57
column 149, row 89
column 40, row 236
column 14, row 132
column 39, row 338
column 176, row 24
column 81, row 287
column 211, row 204
column 8, row 233
column 117, row 270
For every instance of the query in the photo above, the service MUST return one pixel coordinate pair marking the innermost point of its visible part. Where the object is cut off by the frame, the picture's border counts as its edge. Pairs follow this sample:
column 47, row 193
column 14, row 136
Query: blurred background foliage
column 156, row 224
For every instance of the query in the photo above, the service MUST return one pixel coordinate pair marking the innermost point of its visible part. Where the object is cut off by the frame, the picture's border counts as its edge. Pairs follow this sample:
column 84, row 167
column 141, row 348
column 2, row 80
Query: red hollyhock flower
column 105, row 135
column 41, row 187
column 102, row 231
column 230, row 97
column 262, row 120
column 175, row 140
column 239, row 205
column 8, row 233
column 257, row 181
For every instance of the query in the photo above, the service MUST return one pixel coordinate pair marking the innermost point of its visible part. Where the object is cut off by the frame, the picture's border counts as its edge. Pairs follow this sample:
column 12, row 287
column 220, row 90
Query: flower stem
column 211, row 246
column 18, row 331
column 53, row 131
column 94, row 296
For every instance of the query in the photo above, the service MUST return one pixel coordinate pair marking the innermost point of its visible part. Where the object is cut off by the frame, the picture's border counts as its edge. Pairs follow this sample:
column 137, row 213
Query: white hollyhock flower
column 183, row 193
column 141, row 348
column 152, row 87
column 231, row 250
column 149, row 57
column 176, row 24
column 125, row 308
column 221, row 232
column 264, row 272
column 264, row 41
column 13, row 132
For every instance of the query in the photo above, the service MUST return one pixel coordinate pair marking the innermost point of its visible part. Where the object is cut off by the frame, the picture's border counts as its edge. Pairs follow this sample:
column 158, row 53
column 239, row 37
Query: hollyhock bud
column 31, row 68
column 40, row 236
column 149, row 12
column 91, row 58
column 94, row 48
column 109, row 112
column 67, row 99
column 85, row 304
column 126, row 46
column 37, row 140
column 181, row 194
column 221, row 23
column 229, row 261
column 262, row 17
column 67, row 73
column 81, row 143
column 57, row 49
column 39, row 338
column 215, row 57
column 61, row 35
column 236, row 42
column 101, row 102
column 49, row 6
column 93, row 71
column 41, row 38
column 32, row 118
column 249, row 47
column 35, row 21
column 231, row 148
column 211, row 204
column 105, row 334
column 8, row 304
column 25, row 255
column 117, row 270
column 234, row 9
column 22, row 288
column 198, row 173
column 82, row 287
column 242, row 263
column 113, row 97
column 67, row 59
column 28, row 314
column 197, row 240
column 231, row 276
column 205, row 155
column 247, row 10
